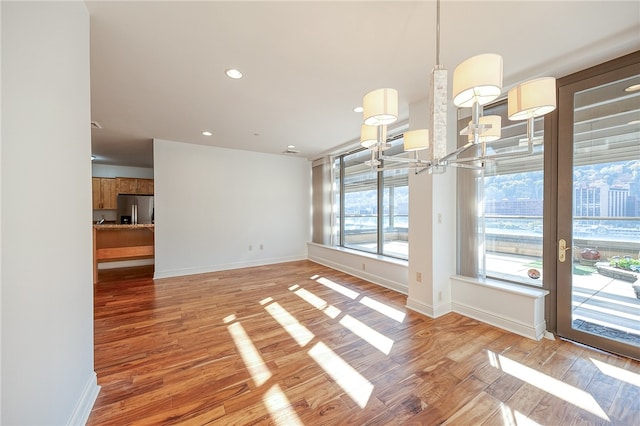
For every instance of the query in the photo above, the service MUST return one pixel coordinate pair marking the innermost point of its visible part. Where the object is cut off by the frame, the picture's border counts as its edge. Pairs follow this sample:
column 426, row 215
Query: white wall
column 109, row 171
column 432, row 227
column 218, row 208
column 1, row 225
column 47, row 292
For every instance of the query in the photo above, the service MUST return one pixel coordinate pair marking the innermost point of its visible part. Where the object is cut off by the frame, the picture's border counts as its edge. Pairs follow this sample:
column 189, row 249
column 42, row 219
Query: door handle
column 562, row 248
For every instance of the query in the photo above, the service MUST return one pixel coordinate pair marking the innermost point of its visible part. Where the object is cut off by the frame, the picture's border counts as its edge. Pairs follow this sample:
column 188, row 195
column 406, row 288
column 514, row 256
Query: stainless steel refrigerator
column 134, row 209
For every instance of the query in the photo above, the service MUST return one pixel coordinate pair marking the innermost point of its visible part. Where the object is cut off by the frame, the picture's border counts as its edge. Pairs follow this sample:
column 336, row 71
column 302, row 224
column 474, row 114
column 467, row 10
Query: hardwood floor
column 299, row 343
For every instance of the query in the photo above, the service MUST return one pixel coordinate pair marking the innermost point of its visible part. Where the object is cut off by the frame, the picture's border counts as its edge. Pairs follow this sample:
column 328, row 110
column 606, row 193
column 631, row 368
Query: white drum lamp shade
column 532, row 98
column 415, row 140
column 491, row 134
column 478, row 79
column 368, row 136
column 380, row 107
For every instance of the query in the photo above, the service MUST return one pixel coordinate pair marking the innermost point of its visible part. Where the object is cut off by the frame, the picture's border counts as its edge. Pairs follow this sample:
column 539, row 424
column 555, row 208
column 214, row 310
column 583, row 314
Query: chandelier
column 477, row 81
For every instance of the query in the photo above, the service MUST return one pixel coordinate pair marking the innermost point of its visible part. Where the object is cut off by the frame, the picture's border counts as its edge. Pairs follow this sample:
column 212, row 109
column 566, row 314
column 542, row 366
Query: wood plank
column 164, row 354
column 123, row 252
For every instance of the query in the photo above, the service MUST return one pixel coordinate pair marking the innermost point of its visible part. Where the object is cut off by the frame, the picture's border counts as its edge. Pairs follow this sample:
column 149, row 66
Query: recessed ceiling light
column 233, row 73
column 206, row 133
column 358, row 109
column 291, row 146
column 632, row 88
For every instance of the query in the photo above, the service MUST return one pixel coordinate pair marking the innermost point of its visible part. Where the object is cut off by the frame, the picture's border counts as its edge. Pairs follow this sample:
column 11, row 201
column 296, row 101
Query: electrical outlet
column 250, row 248
column 439, row 217
column 439, row 296
column 364, row 267
column 261, row 247
column 419, row 277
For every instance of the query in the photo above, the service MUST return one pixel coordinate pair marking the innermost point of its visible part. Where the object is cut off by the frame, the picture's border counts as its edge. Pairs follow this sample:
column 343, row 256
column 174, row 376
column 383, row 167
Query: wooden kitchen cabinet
column 145, row 187
column 135, row 186
column 105, row 194
column 127, row 185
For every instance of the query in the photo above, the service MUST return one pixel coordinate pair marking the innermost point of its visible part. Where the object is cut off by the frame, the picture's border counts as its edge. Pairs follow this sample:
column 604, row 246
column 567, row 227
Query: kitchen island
column 121, row 242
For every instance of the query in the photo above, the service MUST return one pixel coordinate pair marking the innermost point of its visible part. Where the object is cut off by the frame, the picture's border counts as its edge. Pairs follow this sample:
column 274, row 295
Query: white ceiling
column 157, row 67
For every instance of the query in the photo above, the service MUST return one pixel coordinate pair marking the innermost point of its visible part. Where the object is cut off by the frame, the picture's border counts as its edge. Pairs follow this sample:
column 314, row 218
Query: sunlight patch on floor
column 332, row 311
column 353, row 383
column 249, row 354
column 318, row 303
column 311, row 298
column 299, row 332
column 555, row 387
column 384, row 309
column 266, row 300
column 279, row 407
column 512, row 417
column 371, row 336
column 338, row 288
column 618, row 373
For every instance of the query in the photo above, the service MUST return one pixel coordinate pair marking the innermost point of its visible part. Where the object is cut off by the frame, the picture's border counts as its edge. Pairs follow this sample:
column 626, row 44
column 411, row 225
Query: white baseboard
column 380, row 270
column 400, row 288
column 442, row 309
column 525, row 330
column 428, row 310
column 513, row 307
column 420, row 307
column 84, row 406
column 535, row 332
column 170, row 273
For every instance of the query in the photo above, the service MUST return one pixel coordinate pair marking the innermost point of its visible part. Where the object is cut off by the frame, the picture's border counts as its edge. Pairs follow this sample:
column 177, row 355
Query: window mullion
column 380, row 211
column 342, row 207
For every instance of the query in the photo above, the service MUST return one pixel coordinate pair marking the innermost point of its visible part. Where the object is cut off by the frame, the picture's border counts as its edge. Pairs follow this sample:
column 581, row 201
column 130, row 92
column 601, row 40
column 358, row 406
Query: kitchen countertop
column 118, row 227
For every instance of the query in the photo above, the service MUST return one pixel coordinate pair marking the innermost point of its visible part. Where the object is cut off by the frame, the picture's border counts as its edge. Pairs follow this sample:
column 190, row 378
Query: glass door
column 598, row 223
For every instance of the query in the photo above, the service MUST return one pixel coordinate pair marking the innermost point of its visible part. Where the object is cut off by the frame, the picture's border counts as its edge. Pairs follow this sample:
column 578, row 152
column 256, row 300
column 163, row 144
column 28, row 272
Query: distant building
column 617, row 200
column 633, row 206
column 605, row 201
column 599, row 200
column 588, row 201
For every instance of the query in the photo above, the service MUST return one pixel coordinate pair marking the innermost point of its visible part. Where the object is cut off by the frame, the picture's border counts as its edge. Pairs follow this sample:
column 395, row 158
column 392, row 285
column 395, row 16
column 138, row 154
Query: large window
column 509, row 199
column 371, row 207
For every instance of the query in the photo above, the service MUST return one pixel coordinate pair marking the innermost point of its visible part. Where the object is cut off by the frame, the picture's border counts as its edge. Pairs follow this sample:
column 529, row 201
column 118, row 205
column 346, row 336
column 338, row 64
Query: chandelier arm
column 454, row 154
column 469, row 166
column 424, row 169
column 529, row 151
column 465, row 160
column 403, row 167
column 405, row 160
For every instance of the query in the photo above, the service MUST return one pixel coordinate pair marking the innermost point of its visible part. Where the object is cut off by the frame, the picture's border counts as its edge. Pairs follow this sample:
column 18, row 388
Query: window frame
column 471, row 226
column 339, row 213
